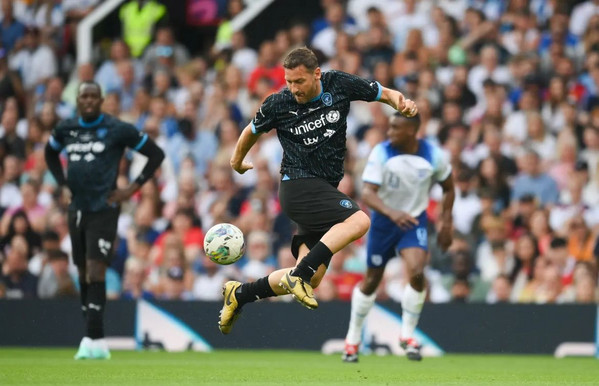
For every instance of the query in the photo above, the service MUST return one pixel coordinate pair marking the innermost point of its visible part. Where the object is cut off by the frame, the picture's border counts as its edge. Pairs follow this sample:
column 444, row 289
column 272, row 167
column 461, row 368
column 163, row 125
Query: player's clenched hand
column 403, row 219
column 445, row 238
column 242, row 167
column 409, row 108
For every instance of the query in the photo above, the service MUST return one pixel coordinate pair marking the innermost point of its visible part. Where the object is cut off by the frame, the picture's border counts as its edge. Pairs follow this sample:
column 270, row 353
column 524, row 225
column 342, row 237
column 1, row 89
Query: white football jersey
column 405, row 179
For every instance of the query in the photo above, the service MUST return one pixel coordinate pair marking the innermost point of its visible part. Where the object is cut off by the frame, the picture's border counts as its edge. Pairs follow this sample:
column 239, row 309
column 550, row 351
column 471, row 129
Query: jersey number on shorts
column 421, row 235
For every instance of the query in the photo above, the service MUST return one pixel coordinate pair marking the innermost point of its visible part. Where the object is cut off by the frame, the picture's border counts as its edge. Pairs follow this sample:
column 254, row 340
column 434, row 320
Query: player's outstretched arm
column 246, row 140
column 444, row 239
column 398, row 101
column 155, row 157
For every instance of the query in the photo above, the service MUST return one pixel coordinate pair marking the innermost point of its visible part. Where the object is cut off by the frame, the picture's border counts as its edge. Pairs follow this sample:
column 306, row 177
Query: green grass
column 286, row 368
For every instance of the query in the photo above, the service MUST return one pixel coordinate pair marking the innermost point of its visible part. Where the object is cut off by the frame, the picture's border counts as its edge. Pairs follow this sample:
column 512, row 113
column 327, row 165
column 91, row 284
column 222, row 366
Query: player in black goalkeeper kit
column 94, row 144
column 310, row 119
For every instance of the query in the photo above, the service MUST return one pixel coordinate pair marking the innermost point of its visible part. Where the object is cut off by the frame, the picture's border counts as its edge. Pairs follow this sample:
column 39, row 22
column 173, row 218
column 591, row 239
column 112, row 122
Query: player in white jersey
column 397, row 180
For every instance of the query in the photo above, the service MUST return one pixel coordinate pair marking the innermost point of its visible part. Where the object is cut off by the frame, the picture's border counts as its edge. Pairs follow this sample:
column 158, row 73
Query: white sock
column 411, row 304
column 360, row 306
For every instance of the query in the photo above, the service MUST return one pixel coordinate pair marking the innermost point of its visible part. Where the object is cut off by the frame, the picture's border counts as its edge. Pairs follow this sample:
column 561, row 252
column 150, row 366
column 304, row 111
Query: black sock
column 83, row 296
column 320, row 254
column 96, row 301
column 250, row 292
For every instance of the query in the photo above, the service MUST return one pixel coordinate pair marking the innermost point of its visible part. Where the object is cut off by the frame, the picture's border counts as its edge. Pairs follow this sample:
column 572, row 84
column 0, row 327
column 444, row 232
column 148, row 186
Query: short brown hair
column 301, row 56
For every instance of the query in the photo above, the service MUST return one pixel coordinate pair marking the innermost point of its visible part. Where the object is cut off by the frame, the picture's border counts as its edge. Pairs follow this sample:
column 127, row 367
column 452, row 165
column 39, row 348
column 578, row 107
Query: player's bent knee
column 361, row 223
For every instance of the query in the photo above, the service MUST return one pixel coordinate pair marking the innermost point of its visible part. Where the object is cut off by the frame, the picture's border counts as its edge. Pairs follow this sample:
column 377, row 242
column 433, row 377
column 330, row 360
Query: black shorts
column 93, row 235
column 315, row 206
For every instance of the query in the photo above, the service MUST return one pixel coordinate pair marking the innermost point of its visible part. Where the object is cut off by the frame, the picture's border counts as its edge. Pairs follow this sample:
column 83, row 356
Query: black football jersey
column 313, row 134
column 94, row 151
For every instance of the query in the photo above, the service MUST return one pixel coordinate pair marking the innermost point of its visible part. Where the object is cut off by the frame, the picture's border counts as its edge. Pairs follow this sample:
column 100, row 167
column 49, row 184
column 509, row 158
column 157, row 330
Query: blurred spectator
column 462, row 268
column 581, row 14
column 570, row 207
column 11, row 142
column 182, row 228
column 335, row 22
column 19, row 282
column 260, row 262
column 224, row 33
column 492, row 178
column 108, row 75
column 208, row 284
column 19, row 226
column 189, row 142
column 531, row 180
column 138, row 18
column 55, row 281
column 170, row 277
column 565, row 159
column 500, row 290
column 539, row 141
column 49, row 242
column 460, row 291
column 164, row 45
column 133, row 280
column 53, row 92
column 526, row 252
column 581, row 240
column 30, row 206
column 540, row 229
column 559, row 258
column 11, row 29
column 34, row 60
column 173, row 286
column 585, row 283
column 268, row 68
column 467, row 204
column 489, row 68
column 242, row 57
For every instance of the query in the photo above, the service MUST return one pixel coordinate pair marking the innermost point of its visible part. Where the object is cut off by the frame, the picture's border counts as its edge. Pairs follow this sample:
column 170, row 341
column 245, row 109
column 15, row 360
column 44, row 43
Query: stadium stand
column 509, row 89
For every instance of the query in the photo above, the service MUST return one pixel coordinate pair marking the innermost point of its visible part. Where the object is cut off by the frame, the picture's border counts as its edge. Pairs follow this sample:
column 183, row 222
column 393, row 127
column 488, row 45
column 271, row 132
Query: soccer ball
column 224, row 244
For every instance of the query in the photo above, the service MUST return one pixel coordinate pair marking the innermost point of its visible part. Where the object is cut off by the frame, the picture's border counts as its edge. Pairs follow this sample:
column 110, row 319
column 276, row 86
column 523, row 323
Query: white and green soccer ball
column 224, row 243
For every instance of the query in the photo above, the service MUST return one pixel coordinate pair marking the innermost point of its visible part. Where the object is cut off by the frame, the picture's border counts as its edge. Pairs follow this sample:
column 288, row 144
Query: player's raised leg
column 298, row 282
column 237, row 294
column 412, row 300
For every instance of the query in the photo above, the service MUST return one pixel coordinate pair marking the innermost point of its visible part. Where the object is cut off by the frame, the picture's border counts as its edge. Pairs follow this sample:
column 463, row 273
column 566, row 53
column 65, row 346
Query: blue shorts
column 385, row 238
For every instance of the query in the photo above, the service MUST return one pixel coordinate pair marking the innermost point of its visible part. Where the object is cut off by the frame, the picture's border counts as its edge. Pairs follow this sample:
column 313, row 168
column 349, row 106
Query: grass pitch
column 228, row 367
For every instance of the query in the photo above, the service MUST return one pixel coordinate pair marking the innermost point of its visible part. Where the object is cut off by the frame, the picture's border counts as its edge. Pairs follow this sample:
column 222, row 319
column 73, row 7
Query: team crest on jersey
column 333, row 116
column 101, row 133
column 346, row 204
column 327, row 98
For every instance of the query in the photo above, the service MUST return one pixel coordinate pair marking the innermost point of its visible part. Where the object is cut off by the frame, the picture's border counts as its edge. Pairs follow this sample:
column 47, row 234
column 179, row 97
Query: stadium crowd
column 509, row 89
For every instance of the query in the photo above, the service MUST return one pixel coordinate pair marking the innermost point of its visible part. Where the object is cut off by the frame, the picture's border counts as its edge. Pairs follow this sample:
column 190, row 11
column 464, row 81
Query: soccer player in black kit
column 94, row 144
column 310, row 119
